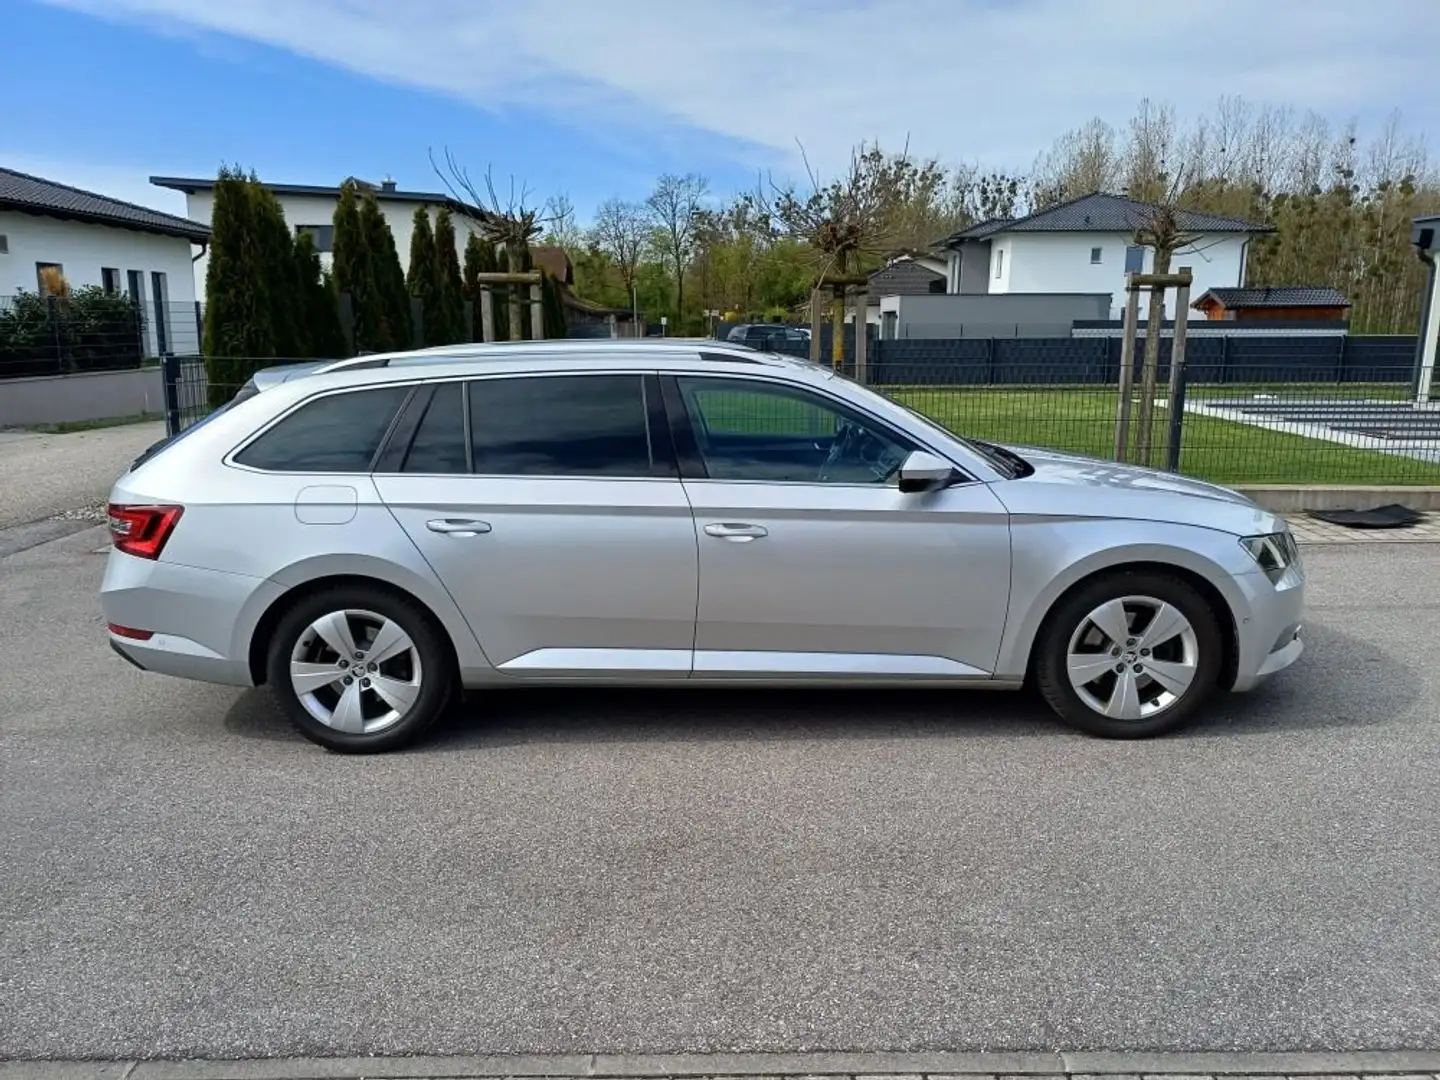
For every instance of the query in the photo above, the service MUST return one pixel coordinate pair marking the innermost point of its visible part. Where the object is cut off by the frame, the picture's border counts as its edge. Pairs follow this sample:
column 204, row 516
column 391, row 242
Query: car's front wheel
column 1130, row 655
column 359, row 669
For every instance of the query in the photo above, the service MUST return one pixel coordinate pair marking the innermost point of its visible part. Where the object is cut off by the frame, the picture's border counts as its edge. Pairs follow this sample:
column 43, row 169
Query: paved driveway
column 593, row 871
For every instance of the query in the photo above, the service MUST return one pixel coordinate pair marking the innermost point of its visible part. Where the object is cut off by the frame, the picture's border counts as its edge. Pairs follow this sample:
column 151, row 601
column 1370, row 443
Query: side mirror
column 923, row 471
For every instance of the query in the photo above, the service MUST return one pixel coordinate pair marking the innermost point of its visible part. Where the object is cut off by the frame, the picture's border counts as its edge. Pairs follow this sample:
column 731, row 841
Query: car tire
column 397, row 680
column 1148, row 674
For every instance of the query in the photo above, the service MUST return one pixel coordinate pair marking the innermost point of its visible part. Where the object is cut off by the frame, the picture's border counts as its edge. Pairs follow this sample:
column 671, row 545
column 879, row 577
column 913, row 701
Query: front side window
column 748, row 430
column 562, row 425
column 337, row 433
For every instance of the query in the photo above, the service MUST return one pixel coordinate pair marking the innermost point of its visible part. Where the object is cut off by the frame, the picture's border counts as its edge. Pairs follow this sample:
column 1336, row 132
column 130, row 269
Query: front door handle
column 457, row 526
column 736, row 531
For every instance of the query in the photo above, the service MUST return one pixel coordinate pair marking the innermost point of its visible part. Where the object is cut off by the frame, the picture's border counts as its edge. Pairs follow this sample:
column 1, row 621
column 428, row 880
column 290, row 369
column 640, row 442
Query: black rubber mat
column 1393, row 516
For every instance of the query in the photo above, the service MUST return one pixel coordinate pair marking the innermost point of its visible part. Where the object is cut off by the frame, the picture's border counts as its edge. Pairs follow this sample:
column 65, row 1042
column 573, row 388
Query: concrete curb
column 1418, row 1064
column 1296, row 498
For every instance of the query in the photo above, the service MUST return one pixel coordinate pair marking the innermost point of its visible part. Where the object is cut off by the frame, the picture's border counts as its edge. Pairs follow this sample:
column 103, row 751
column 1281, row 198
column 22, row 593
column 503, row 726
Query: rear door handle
column 736, row 531
column 457, row 526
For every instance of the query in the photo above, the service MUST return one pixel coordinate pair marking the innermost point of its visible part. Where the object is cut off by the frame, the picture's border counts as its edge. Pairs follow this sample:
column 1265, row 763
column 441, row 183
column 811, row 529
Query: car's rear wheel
column 1130, row 655
column 359, row 670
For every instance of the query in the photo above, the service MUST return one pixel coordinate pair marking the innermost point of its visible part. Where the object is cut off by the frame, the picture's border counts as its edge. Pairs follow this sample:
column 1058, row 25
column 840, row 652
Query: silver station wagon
column 370, row 536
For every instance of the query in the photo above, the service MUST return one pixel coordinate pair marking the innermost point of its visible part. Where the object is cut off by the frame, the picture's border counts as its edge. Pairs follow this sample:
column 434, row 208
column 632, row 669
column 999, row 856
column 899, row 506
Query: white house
column 91, row 239
column 312, row 208
column 1086, row 246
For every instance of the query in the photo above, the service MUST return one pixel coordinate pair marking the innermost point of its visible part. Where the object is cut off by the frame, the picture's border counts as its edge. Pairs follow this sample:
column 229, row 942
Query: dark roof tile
column 36, row 195
column 1100, row 212
column 1277, row 296
column 904, row 277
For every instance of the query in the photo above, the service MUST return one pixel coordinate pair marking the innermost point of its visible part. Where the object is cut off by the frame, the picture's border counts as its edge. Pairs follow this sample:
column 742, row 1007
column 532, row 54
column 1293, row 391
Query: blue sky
column 594, row 99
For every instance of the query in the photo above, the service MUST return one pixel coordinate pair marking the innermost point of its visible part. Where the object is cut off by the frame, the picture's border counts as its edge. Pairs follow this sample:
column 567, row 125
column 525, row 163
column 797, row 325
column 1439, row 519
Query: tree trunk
column 837, row 328
column 679, row 287
column 1150, row 372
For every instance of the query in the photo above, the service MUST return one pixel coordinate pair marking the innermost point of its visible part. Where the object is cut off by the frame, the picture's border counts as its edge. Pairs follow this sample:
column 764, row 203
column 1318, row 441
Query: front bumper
column 200, row 621
column 1269, row 636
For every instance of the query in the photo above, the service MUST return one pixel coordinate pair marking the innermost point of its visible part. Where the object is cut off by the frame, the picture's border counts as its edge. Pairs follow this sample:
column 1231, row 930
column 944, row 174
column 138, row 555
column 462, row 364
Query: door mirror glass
column 923, row 471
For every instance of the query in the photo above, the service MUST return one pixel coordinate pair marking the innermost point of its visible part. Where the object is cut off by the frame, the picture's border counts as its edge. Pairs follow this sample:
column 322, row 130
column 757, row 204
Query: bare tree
column 1082, row 161
column 1148, row 150
column 509, row 224
column 674, row 207
column 564, row 230
column 621, row 231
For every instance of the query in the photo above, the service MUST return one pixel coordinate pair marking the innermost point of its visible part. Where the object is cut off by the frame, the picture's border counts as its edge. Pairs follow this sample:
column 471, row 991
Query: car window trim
column 396, row 446
column 684, row 434
column 230, row 461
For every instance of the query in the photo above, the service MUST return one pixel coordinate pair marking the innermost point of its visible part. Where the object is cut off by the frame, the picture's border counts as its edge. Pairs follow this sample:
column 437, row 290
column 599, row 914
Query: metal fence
column 1248, row 412
column 90, row 330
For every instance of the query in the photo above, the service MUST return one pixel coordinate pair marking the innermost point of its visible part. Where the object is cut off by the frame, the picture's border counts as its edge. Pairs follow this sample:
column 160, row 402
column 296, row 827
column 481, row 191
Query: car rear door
column 550, row 506
column 813, row 563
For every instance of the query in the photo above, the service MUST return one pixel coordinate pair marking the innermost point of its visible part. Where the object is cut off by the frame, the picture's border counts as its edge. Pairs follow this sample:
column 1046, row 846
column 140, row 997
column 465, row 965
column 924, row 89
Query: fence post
column 537, row 315
column 1127, row 368
column 52, row 315
column 1177, row 376
column 862, row 335
column 170, row 388
column 1224, row 359
column 487, row 313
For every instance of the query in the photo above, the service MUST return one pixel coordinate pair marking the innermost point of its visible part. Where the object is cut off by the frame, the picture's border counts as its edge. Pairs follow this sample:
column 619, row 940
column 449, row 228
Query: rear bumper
column 200, row 621
column 167, row 654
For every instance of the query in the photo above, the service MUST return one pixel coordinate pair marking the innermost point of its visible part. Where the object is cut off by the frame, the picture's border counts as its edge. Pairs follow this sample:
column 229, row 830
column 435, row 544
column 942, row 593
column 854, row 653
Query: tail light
column 142, row 530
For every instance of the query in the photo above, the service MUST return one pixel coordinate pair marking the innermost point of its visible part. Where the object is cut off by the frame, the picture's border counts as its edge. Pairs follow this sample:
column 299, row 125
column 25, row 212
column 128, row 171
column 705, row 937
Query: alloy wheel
column 355, row 671
column 1132, row 657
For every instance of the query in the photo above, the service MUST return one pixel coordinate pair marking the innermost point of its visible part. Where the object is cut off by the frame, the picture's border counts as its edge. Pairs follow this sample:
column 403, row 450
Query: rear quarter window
column 336, row 433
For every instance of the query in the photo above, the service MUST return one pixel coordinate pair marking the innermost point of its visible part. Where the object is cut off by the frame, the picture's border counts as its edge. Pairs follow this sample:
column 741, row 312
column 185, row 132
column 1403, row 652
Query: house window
column 161, row 292
column 110, row 280
column 1000, row 262
column 4, row 244
column 1134, row 259
column 323, row 235
column 1096, row 255
column 48, row 277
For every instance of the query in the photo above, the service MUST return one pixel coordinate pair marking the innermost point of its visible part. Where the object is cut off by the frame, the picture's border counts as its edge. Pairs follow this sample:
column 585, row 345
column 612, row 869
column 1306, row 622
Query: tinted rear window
column 566, row 425
column 338, row 433
column 439, row 443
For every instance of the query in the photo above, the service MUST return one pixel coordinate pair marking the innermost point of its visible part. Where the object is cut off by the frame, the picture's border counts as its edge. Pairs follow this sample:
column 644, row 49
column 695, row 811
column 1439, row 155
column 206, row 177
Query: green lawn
column 1081, row 419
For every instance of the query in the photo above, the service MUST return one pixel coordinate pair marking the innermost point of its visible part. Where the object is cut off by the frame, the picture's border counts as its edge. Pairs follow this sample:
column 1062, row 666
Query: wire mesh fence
column 91, row 330
column 1285, row 419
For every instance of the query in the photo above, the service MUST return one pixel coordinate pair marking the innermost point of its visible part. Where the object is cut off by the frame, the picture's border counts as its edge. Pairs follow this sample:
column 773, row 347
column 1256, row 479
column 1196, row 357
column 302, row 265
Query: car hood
column 1069, row 485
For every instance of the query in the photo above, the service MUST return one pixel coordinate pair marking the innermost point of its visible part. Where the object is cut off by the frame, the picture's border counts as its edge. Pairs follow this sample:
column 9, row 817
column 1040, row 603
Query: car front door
column 551, row 508
column 812, row 562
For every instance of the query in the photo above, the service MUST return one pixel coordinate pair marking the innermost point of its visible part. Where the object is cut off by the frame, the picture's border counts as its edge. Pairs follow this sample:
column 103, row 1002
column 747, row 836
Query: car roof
column 559, row 354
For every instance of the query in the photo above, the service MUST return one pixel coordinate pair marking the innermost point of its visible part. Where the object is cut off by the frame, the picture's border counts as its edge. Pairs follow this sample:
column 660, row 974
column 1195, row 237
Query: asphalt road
column 595, row 871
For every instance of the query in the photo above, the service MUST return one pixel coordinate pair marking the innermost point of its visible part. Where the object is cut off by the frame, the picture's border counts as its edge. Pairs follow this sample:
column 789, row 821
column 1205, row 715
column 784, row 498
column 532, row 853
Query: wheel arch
column 1208, row 578
column 258, row 645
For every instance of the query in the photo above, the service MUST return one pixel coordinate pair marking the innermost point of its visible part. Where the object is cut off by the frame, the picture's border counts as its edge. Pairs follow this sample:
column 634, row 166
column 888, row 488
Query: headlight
column 1274, row 552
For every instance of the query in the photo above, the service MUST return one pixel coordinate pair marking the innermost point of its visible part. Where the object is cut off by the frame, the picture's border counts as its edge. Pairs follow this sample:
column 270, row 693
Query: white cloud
column 987, row 80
